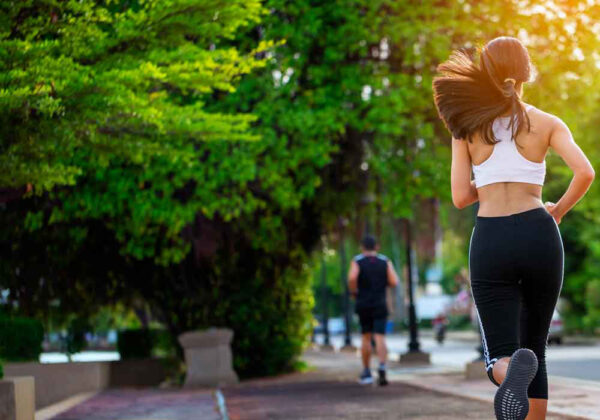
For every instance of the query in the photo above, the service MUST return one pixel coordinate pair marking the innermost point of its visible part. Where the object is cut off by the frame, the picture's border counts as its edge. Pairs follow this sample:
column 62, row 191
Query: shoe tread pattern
column 511, row 401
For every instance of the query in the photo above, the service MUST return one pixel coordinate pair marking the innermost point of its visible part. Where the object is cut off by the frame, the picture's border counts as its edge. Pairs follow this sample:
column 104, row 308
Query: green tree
column 88, row 83
column 220, row 233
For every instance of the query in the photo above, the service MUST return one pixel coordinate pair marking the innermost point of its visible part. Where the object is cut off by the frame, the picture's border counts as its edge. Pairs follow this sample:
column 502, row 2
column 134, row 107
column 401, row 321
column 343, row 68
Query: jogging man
column 370, row 275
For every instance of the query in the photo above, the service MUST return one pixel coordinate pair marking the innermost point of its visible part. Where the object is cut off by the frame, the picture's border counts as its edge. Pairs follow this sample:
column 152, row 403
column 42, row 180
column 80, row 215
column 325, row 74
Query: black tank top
column 372, row 281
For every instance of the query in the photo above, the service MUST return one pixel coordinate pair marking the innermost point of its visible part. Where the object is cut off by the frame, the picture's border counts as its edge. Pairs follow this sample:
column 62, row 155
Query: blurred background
column 176, row 165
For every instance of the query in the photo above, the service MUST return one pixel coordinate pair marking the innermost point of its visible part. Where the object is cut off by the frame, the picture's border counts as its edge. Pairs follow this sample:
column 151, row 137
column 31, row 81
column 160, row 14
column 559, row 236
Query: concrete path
column 571, row 398
column 577, row 357
column 328, row 391
column 328, row 400
column 150, row 404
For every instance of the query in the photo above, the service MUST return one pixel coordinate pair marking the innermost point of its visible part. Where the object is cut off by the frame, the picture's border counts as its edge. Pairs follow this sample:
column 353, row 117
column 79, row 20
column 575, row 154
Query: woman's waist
column 538, row 212
column 507, row 202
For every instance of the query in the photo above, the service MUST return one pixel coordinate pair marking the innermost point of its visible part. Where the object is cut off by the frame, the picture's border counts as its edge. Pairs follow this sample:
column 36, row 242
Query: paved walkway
column 329, row 391
column 328, row 400
column 149, row 404
column 571, row 398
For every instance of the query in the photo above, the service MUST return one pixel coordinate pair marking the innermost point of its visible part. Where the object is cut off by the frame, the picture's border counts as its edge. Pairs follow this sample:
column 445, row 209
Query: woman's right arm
column 562, row 142
column 464, row 192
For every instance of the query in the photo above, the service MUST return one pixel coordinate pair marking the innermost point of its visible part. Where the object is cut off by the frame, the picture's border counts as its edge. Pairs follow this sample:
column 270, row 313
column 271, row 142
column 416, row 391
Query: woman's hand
column 552, row 209
column 583, row 173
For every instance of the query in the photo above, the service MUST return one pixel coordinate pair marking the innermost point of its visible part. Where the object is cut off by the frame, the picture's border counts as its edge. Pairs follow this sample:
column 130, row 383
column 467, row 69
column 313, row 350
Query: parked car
column 555, row 336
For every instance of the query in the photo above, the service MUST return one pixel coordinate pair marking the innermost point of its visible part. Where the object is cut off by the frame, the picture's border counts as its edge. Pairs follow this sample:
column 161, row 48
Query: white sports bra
column 506, row 164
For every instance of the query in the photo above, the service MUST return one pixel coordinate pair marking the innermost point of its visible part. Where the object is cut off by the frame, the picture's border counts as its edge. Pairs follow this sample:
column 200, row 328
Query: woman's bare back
column 504, row 198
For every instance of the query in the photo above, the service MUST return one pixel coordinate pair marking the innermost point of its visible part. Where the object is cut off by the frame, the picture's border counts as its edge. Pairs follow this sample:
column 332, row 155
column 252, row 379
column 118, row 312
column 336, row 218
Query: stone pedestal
column 476, row 370
column 7, row 401
column 349, row 348
column 17, row 398
column 415, row 358
column 326, row 347
column 208, row 358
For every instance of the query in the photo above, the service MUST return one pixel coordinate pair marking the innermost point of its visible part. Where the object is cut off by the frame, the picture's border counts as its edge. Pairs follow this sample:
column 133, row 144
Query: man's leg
column 366, row 350
column 379, row 332
column 381, row 348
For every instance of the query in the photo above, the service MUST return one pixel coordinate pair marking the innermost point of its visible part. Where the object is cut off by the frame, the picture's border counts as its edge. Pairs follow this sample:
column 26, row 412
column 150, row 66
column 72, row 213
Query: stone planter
column 17, row 398
column 208, row 358
column 476, row 370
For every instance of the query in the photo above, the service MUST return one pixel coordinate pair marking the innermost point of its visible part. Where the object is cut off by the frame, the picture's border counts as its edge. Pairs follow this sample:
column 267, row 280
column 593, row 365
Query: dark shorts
column 372, row 321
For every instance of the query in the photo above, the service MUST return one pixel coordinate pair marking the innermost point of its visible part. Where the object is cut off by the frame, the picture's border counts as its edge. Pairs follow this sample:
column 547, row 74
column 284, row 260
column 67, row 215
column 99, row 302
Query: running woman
column 516, row 251
column 369, row 277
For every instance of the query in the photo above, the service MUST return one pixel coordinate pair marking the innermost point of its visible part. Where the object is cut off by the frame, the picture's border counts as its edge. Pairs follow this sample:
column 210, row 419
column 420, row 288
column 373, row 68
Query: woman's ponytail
column 469, row 97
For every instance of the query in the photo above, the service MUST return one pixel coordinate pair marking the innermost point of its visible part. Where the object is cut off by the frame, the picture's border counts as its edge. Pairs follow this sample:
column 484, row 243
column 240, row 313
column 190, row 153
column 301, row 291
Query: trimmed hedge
column 20, row 339
column 135, row 344
column 271, row 322
column 75, row 341
column 144, row 343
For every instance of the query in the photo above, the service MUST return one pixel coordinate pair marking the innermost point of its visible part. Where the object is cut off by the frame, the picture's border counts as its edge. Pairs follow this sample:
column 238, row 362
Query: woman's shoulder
column 535, row 112
column 541, row 119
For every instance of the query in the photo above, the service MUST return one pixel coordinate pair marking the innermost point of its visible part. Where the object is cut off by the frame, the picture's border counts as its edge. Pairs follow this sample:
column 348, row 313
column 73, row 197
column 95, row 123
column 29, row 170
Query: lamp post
column 414, row 354
column 413, row 344
column 344, row 279
column 325, row 308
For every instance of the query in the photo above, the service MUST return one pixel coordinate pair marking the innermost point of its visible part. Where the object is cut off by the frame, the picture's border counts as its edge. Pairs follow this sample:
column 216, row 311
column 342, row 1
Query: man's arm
column 392, row 277
column 353, row 277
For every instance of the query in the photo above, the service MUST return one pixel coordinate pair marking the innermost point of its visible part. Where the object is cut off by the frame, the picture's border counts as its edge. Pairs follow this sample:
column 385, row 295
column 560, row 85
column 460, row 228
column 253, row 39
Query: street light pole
column 413, row 345
column 414, row 354
column 347, row 320
column 324, row 296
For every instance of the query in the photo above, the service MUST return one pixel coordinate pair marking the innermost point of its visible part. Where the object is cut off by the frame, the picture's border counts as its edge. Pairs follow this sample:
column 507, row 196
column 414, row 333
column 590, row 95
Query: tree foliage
column 84, row 84
column 171, row 200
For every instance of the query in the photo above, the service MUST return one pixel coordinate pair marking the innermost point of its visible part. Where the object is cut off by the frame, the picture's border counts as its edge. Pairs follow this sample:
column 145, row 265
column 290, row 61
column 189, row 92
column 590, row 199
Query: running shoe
column 511, row 402
column 365, row 377
column 382, row 380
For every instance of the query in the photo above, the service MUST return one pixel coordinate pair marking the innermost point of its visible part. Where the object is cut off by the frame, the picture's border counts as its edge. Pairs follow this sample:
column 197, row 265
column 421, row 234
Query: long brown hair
column 469, row 97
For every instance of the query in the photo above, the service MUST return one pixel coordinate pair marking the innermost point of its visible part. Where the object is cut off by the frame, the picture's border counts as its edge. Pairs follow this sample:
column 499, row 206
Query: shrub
column 162, row 343
column 592, row 305
column 141, row 343
column 20, row 339
column 135, row 343
column 271, row 324
column 75, row 341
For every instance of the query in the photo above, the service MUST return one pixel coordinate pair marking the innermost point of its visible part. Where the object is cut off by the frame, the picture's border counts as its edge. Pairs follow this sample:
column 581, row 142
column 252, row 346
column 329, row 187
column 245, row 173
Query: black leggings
column 516, row 265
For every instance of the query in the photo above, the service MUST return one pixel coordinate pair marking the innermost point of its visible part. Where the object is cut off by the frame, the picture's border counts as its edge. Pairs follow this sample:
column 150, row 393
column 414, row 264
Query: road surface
column 581, row 361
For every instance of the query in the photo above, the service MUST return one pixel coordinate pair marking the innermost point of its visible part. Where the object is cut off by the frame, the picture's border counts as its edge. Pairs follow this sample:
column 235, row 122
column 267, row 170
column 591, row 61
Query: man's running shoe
column 365, row 377
column 382, row 381
column 511, row 402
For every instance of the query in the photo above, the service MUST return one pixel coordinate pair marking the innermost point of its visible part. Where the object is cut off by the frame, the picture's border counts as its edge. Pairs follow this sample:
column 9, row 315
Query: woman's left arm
column 464, row 192
column 562, row 142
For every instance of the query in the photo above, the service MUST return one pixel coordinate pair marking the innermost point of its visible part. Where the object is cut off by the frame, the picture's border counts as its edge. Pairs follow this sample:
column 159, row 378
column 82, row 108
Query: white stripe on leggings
column 489, row 363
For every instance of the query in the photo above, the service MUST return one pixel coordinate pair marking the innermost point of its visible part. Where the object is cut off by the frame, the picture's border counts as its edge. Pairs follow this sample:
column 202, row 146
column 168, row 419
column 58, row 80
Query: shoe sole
column 366, row 381
column 511, row 402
